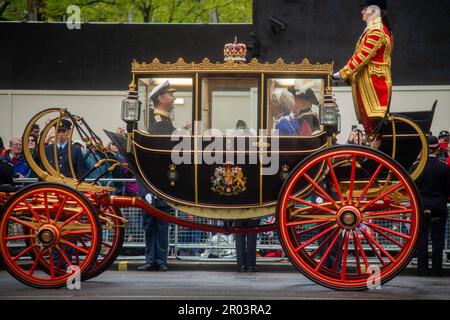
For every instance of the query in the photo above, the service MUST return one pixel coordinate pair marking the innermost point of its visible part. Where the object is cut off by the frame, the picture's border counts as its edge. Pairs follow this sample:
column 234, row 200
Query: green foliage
column 13, row 10
column 164, row 11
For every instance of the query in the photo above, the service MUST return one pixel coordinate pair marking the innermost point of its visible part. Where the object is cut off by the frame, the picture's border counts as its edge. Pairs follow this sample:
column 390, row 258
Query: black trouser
column 246, row 244
column 435, row 217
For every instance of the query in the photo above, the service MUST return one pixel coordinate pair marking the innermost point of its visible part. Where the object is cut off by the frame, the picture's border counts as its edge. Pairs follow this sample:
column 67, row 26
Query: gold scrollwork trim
column 253, row 66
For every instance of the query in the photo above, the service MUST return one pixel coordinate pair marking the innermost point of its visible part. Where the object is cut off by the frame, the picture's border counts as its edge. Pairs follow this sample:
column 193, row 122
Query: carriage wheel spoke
column 303, row 232
column 77, row 257
column 344, row 260
column 325, row 256
column 51, row 263
column 390, row 190
column 321, row 191
column 66, row 233
column 375, row 215
column 336, row 183
column 47, row 213
column 358, row 263
column 72, row 218
column 338, row 256
column 374, row 227
column 374, row 250
column 14, row 259
column 394, row 220
column 64, row 256
column 401, row 235
column 352, row 180
column 74, row 246
column 314, row 221
column 372, row 179
column 12, row 238
column 106, row 244
column 36, row 261
column 83, row 244
column 24, row 223
column 361, row 250
column 307, row 243
column 313, row 254
column 60, row 209
column 33, row 212
column 379, row 246
column 323, row 208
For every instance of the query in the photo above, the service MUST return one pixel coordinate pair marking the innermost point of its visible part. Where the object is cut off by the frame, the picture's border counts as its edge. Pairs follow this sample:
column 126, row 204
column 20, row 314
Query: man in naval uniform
column 369, row 69
column 157, row 231
column 163, row 102
column 62, row 153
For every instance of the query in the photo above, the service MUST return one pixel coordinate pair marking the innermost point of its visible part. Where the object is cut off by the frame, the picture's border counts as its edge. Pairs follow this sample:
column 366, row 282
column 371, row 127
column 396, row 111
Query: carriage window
column 181, row 114
column 293, row 105
column 230, row 104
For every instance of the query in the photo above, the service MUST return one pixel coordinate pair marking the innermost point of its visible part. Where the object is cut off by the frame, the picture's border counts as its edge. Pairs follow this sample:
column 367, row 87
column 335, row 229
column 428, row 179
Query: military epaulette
column 158, row 118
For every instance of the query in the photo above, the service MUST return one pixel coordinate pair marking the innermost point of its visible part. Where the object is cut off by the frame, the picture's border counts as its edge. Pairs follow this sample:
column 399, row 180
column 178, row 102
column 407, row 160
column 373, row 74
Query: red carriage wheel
column 112, row 242
column 359, row 225
column 45, row 221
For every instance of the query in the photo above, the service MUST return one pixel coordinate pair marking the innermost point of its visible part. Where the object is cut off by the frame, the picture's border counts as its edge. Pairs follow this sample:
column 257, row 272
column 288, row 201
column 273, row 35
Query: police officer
column 156, row 230
column 63, row 153
column 434, row 187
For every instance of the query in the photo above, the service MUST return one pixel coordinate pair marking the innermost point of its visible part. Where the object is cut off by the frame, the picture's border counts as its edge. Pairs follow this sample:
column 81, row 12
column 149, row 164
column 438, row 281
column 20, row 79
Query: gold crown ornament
column 235, row 51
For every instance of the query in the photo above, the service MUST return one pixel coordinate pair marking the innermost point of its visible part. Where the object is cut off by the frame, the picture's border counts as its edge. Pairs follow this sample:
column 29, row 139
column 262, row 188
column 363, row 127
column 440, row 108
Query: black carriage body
column 217, row 96
column 193, row 183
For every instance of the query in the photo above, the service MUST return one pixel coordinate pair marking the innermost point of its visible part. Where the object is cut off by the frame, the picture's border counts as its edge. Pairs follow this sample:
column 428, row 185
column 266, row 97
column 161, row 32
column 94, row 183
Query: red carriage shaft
column 119, row 201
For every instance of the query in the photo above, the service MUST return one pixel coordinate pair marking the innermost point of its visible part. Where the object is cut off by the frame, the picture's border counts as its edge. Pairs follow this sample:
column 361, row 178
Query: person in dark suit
column 6, row 172
column 246, row 246
column 62, row 141
column 434, row 187
column 156, row 230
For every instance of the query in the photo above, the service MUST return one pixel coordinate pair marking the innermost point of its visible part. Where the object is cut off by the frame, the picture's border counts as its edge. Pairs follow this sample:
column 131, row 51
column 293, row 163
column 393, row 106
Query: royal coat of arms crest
column 228, row 180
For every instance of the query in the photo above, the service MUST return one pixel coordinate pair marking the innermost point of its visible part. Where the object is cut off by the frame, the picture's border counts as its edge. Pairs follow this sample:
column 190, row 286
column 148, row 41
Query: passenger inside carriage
column 285, row 123
column 293, row 106
column 305, row 98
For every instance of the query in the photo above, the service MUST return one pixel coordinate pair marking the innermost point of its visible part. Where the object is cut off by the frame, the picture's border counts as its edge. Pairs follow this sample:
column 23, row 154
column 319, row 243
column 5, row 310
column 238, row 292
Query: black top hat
column 159, row 90
column 306, row 95
column 444, row 133
column 380, row 3
column 65, row 125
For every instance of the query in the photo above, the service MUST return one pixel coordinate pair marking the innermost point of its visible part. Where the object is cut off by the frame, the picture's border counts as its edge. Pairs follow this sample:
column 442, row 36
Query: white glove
column 149, row 198
column 336, row 76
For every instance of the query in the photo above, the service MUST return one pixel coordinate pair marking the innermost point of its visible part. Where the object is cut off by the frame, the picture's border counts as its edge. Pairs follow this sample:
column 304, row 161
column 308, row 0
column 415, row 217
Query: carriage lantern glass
column 329, row 113
column 131, row 107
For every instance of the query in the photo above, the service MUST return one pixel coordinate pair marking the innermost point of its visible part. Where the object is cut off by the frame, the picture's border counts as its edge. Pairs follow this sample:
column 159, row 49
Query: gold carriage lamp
column 329, row 114
column 131, row 111
column 131, row 108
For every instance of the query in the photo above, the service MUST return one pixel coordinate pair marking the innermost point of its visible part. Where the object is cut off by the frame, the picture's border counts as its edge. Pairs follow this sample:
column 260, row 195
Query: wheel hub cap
column 349, row 217
column 48, row 235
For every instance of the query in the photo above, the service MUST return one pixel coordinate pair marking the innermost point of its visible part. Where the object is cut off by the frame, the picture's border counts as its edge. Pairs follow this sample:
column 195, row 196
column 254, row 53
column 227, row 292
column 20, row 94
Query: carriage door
column 228, row 169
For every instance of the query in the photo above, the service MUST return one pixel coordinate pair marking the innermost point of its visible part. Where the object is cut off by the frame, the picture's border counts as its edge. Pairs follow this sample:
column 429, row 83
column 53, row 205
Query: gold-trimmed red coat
column 369, row 72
